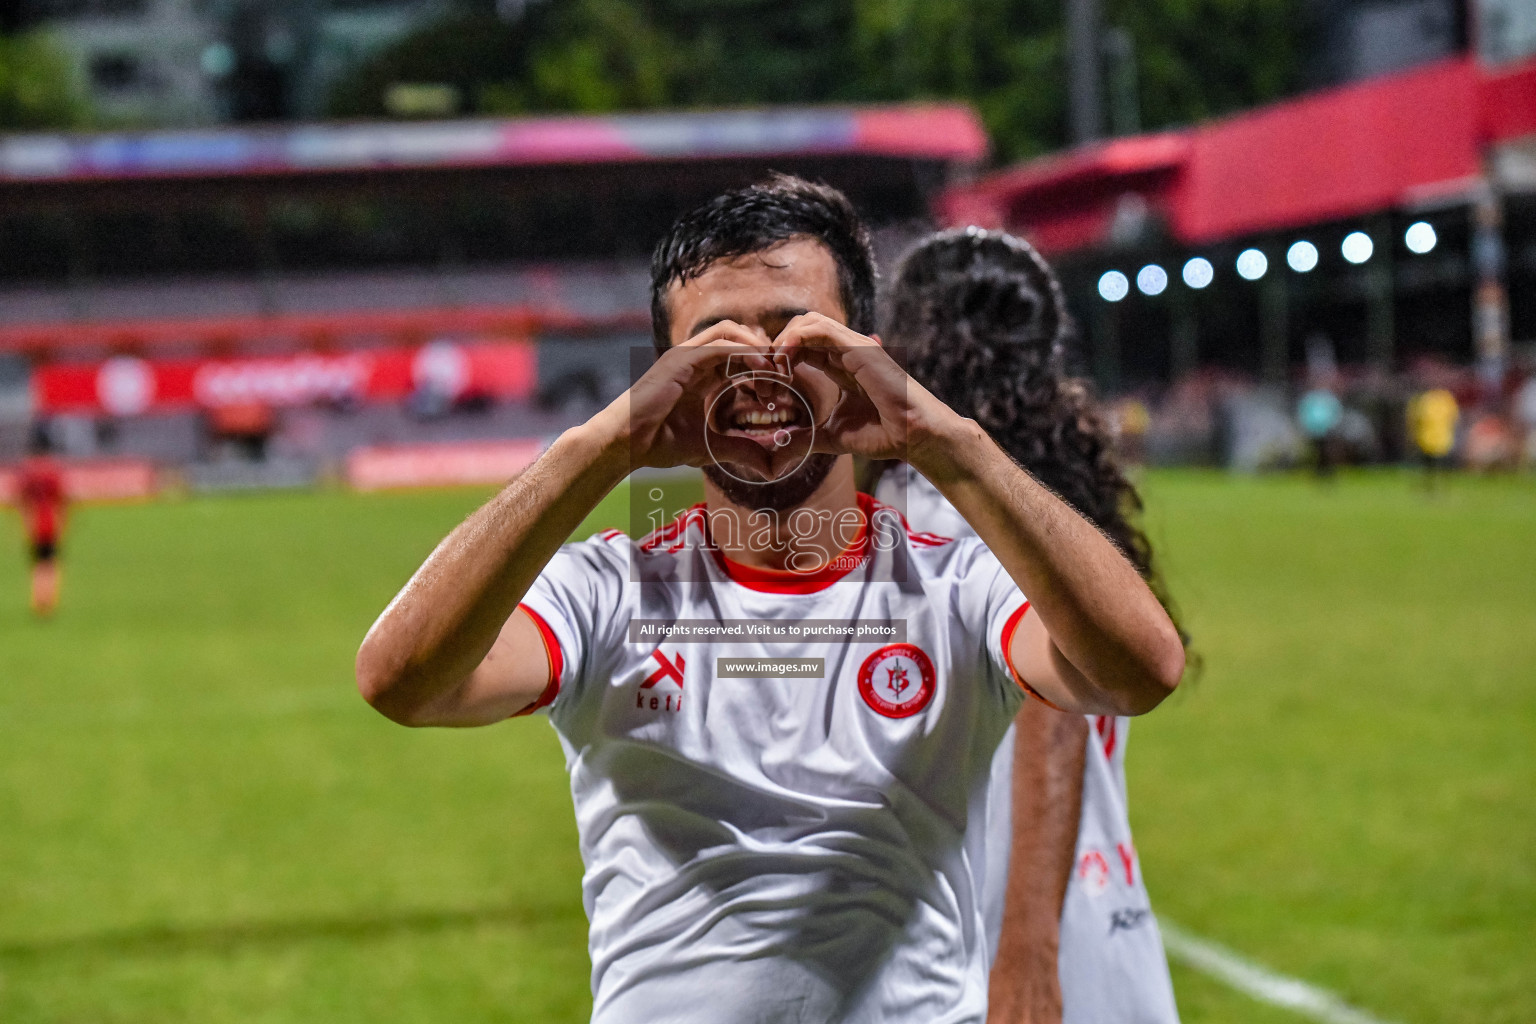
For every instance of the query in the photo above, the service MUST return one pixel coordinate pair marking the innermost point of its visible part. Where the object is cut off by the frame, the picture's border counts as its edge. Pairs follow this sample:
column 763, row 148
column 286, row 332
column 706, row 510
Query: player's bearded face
column 771, row 415
column 762, row 292
column 777, row 495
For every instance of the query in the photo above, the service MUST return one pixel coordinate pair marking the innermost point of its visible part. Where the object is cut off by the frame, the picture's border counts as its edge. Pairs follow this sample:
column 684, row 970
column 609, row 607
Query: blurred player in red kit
column 40, row 493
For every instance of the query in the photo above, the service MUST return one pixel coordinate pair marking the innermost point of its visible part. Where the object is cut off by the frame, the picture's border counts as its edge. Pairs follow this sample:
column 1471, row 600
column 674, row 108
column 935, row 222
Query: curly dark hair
column 758, row 217
column 984, row 325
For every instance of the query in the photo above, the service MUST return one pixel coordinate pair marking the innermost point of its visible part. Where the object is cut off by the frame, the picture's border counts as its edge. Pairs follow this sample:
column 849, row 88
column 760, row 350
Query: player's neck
column 801, row 539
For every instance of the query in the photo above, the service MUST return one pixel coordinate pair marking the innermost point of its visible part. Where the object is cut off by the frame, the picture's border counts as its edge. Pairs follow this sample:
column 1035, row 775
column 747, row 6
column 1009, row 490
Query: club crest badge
column 897, row 680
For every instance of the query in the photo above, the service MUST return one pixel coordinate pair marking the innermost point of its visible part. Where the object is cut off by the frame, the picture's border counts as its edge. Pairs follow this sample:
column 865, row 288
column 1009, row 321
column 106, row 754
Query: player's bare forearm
column 418, row 663
column 449, row 650
column 1049, row 756
column 1098, row 642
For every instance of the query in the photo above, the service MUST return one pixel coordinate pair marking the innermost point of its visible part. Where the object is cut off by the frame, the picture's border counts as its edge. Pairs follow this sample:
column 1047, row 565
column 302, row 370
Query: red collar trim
column 787, row 581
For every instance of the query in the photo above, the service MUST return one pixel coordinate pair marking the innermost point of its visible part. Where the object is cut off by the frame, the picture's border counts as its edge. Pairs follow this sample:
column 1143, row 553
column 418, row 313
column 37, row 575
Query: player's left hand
column 865, row 403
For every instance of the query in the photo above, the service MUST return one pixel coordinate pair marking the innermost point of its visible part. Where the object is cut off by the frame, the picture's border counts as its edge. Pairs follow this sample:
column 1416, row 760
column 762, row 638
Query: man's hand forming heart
column 865, row 403
column 665, row 412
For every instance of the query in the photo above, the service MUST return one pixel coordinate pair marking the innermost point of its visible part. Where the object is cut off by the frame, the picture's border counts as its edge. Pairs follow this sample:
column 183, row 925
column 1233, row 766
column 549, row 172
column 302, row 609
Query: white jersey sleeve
column 576, row 603
column 987, row 594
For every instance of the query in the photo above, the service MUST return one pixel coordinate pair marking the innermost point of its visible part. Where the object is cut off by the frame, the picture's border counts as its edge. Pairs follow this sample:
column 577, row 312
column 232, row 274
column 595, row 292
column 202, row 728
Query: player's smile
column 773, row 416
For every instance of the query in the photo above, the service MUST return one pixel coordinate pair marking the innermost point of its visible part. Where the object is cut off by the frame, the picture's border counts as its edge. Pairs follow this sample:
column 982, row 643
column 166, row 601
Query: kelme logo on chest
column 897, row 680
column 653, row 694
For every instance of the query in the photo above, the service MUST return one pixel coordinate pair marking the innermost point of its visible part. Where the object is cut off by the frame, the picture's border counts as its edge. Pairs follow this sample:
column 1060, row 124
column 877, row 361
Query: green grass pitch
column 200, row 821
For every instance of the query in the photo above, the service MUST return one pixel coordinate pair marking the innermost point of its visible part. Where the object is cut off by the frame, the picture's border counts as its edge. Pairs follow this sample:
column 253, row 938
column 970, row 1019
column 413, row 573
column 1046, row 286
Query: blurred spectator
column 1319, row 413
column 1259, row 432
column 1525, row 416
column 1491, row 444
column 1182, row 427
column 244, row 427
column 1322, row 366
column 1365, row 414
column 1356, row 437
column 1130, row 421
column 1432, row 418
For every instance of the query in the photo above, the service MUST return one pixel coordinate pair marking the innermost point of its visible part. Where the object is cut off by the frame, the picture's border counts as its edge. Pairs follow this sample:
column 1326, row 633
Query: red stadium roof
column 934, row 132
column 1331, row 155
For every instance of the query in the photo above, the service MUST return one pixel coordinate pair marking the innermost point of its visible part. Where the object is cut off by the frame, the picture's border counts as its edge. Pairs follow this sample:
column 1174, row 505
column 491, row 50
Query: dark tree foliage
column 470, row 49
column 1200, row 58
column 36, row 88
column 1194, row 58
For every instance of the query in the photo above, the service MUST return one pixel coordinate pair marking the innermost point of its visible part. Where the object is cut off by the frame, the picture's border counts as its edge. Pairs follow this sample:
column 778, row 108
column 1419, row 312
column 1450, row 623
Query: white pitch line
column 1259, row 982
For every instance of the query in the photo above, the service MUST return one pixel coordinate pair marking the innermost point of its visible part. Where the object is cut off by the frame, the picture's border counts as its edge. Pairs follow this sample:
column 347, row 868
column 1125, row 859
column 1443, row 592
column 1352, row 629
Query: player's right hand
column 663, row 416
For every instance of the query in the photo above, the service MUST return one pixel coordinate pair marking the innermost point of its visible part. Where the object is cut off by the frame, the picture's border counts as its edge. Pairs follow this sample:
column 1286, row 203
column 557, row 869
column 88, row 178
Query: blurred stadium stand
column 1374, row 238
column 143, row 252
column 1375, row 156
column 231, row 245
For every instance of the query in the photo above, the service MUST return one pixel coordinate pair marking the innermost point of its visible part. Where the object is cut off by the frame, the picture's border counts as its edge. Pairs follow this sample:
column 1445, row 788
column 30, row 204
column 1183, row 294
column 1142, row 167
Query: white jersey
column 761, row 848
column 1111, row 963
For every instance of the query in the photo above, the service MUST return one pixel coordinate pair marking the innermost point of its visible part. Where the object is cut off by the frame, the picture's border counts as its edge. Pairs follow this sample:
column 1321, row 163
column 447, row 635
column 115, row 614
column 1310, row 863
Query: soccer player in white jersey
column 981, row 318
column 761, row 848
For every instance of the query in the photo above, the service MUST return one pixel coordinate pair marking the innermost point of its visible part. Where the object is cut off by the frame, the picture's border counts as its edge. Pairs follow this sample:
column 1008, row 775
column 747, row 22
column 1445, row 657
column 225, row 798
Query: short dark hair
column 759, row 217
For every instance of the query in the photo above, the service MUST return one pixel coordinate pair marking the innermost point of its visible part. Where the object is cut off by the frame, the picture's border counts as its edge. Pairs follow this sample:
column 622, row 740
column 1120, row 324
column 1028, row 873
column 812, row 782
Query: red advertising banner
column 130, row 386
column 440, row 465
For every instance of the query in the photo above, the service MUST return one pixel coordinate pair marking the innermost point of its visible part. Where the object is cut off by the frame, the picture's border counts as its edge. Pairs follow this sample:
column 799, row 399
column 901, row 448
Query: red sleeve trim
column 1009, row 628
column 556, row 663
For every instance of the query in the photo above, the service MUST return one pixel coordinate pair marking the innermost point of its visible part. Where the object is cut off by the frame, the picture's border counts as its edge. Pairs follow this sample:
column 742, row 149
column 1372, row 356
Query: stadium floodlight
column 1114, row 286
column 1252, row 264
column 1420, row 237
column 1152, row 280
column 1357, row 247
column 1302, row 256
column 1198, row 272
